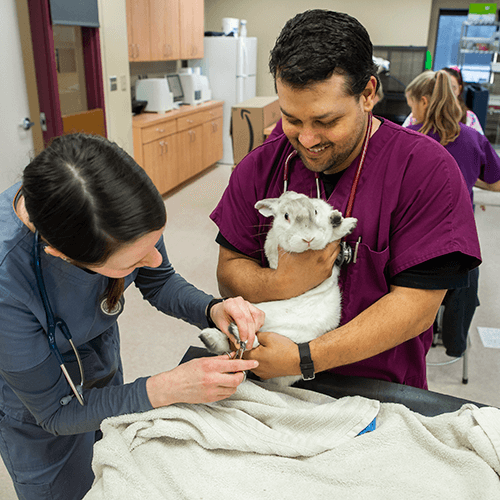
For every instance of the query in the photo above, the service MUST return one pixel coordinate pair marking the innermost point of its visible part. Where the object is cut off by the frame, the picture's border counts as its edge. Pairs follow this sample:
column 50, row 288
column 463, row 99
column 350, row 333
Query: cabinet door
column 161, row 162
column 212, row 142
column 191, row 152
column 165, row 38
column 138, row 30
column 191, row 29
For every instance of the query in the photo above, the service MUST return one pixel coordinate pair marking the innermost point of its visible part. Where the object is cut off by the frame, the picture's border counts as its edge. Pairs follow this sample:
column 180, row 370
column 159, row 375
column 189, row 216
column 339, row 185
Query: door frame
column 30, row 74
column 46, row 70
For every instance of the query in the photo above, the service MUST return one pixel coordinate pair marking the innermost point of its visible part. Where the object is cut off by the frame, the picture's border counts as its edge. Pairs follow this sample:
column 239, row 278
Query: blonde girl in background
column 468, row 117
column 437, row 114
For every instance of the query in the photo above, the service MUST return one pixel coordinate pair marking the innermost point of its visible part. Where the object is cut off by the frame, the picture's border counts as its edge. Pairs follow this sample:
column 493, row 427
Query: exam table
column 262, row 444
column 421, row 401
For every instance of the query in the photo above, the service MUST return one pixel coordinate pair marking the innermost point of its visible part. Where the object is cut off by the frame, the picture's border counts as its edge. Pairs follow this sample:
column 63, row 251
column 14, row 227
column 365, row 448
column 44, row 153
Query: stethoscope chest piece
column 111, row 312
column 345, row 255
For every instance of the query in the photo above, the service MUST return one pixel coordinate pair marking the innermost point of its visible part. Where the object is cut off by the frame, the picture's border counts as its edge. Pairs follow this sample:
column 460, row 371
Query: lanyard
column 355, row 182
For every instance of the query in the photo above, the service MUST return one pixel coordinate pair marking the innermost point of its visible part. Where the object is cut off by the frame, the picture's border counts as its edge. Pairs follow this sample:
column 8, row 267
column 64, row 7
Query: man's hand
column 300, row 272
column 238, row 274
column 277, row 356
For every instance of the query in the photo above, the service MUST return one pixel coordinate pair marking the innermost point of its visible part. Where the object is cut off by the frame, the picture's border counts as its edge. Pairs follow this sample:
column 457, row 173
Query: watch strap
column 306, row 362
column 212, row 303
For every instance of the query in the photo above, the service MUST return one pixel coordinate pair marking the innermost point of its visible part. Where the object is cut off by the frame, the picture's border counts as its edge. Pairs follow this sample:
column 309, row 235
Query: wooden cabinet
column 191, row 145
column 212, row 137
column 139, row 45
column 165, row 27
column 176, row 146
column 162, row 30
column 161, row 157
column 191, row 28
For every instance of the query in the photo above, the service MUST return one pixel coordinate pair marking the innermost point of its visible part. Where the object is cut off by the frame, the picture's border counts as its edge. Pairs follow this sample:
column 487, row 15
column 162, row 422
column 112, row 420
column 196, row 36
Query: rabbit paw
column 348, row 224
column 215, row 341
column 233, row 330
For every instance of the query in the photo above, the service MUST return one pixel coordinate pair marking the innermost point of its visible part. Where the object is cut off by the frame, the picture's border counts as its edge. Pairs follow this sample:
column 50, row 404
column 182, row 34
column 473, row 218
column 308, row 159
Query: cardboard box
column 248, row 121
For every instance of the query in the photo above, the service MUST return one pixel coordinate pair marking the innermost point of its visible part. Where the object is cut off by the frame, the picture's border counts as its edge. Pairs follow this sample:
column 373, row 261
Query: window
column 476, row 67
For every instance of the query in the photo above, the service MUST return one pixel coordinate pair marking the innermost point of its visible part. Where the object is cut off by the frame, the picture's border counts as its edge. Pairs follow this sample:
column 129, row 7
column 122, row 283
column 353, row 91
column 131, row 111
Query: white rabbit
column 300, row 224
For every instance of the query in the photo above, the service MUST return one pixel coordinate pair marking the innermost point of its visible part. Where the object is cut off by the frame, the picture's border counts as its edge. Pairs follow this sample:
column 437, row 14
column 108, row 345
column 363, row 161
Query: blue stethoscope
column 52, row 323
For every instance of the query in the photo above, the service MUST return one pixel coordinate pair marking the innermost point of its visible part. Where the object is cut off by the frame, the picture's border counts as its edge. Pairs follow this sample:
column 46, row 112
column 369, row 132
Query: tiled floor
column 152, row 342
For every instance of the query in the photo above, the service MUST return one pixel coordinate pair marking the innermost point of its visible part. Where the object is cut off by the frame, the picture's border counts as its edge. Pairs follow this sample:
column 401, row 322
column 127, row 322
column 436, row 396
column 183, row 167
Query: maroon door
column 46, row 69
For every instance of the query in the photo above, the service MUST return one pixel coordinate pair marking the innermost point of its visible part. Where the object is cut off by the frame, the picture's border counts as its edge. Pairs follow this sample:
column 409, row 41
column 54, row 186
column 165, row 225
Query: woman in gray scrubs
column 86, row 223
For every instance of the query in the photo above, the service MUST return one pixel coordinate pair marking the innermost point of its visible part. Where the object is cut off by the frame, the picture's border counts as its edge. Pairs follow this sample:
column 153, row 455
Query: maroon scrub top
column 473, row 154
column 411, row 203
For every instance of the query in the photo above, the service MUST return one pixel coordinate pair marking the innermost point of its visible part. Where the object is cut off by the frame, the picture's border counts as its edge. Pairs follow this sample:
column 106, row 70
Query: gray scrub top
column 31, row 381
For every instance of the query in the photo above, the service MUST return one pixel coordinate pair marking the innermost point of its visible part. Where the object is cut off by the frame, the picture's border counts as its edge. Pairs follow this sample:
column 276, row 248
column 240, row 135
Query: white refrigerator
column 231, row 66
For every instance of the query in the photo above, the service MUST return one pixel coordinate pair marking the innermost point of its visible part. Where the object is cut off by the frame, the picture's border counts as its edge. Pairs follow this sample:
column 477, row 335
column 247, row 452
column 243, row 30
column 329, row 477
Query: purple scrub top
column 412, row 205
column 474, row 155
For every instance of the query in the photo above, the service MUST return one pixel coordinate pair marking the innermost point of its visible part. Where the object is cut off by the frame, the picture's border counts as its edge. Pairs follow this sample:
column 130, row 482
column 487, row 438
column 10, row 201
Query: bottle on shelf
column 243, row 28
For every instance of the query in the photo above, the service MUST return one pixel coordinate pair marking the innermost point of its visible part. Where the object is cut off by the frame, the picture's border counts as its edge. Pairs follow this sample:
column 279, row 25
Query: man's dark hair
column 316, row 43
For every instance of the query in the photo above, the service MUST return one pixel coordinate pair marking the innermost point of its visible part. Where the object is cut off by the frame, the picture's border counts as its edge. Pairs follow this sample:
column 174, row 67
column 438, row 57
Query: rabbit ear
column 267, row 207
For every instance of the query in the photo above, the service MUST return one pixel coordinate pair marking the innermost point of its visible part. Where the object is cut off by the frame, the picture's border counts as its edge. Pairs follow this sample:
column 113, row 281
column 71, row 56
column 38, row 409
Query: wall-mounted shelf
column 479, row 45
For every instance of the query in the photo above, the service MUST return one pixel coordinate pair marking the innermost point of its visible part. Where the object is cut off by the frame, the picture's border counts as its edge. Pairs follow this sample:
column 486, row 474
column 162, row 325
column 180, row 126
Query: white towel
column 294, row 444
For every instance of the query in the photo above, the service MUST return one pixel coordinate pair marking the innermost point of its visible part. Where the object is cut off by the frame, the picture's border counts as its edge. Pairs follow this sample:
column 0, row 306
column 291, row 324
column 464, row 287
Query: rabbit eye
column 315, row 212
column 287, row 217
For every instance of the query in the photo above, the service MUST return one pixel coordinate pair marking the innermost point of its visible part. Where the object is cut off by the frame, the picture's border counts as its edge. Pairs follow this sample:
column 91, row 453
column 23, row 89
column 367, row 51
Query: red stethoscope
column 345, row 255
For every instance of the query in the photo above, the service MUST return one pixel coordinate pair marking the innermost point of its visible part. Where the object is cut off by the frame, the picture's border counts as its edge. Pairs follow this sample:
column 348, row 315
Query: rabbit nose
column 308, row 241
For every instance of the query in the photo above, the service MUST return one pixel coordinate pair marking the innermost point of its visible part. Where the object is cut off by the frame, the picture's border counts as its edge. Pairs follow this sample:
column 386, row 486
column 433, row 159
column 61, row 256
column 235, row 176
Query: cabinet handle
column 189, row 121
column 161, row 148
column 166, row 147
column 161, row 130
column 214, row 127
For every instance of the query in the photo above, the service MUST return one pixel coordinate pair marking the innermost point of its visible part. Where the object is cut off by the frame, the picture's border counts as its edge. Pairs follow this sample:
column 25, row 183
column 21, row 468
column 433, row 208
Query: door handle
column 27, row 124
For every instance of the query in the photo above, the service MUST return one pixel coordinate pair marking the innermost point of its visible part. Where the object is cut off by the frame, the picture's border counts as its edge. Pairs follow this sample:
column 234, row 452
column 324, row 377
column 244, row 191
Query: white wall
column 16, row 144
column 114, row 54
column 389, row 22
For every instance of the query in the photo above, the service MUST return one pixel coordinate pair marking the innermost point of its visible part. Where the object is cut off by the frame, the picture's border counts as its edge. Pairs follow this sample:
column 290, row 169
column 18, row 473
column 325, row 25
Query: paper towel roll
column 230, row 25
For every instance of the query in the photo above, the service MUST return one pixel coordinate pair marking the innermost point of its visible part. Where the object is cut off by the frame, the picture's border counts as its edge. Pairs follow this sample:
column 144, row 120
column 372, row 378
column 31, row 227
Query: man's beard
column 336, row 159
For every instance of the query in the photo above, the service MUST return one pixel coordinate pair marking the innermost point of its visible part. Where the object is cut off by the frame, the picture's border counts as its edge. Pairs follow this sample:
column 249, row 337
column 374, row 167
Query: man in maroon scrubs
column 416, row 235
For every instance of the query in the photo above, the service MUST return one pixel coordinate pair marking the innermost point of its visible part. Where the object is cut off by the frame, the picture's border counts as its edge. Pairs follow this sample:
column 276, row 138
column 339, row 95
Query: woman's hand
column 247, row 317
column 201, row 380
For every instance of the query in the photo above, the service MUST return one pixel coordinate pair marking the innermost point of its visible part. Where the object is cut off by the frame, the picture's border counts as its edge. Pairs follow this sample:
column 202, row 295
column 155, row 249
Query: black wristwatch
column 306, row 362
column 212, row 303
